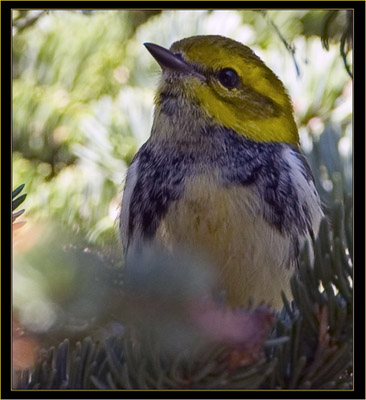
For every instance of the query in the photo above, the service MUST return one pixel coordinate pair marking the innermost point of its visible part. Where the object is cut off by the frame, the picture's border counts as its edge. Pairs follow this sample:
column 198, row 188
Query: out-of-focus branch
column 28, row 20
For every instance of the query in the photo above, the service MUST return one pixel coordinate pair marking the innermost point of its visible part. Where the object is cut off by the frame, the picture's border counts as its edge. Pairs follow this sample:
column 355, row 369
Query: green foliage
column 17, row 200
column 332, row 19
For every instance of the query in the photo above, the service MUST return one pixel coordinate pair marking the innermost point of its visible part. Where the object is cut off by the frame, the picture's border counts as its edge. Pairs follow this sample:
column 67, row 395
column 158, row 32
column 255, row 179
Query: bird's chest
column 226, row 226
column 209, row 212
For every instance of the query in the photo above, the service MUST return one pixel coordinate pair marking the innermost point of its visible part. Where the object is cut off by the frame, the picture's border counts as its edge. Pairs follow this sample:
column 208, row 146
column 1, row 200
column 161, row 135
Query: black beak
column 169, row 60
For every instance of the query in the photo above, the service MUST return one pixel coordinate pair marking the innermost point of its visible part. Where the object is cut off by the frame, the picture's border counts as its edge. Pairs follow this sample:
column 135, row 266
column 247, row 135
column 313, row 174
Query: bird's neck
column 178, row 119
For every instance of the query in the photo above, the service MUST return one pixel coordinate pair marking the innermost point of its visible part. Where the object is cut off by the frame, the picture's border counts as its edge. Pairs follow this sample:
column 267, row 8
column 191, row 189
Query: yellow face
column 239, row 91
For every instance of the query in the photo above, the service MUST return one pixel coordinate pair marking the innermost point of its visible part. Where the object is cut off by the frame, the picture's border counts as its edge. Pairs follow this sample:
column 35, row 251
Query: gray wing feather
column 131, row 180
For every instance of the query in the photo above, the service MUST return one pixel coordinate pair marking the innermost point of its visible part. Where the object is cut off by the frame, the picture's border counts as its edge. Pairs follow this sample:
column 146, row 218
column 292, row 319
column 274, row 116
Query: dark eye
column 229, row 78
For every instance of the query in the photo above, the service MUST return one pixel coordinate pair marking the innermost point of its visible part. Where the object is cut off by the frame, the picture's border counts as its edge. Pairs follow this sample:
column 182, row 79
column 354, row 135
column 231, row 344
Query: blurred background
column 83, row 90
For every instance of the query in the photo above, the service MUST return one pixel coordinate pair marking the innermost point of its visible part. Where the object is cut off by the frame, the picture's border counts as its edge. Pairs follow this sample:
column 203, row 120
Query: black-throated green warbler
column 222, row 171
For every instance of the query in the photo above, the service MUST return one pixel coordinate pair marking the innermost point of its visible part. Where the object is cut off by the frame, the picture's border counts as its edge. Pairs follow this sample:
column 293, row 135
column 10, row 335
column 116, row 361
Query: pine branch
column 16, row 202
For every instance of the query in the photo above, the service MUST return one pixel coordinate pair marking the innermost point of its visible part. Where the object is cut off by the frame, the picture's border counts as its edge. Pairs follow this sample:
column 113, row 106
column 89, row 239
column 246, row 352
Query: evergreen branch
column 17, row 190
column 290, row 48
column 328, row 19
column 346, row 38
column 18, row 201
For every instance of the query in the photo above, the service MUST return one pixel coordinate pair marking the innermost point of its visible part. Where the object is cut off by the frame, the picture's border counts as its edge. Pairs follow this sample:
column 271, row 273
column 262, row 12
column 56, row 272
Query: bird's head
column 229, row 84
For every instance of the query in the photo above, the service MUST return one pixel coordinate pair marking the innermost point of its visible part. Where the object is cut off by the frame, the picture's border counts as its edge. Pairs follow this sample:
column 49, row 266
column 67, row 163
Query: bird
column 222, row 171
